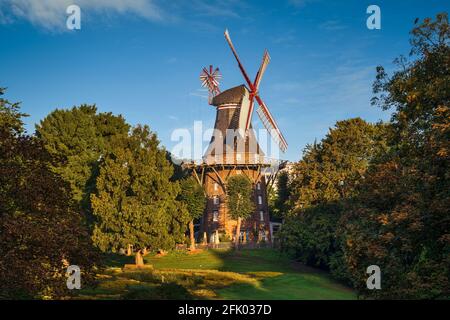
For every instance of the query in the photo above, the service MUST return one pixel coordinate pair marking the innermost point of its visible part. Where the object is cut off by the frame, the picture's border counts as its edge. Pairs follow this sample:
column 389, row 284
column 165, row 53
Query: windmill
column 210, row 80
column 263, row 112
column 223, row 159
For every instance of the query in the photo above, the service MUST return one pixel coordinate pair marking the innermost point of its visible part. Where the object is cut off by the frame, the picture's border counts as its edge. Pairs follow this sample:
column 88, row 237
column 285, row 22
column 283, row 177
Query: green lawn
column 277, row 276
column 216, row 274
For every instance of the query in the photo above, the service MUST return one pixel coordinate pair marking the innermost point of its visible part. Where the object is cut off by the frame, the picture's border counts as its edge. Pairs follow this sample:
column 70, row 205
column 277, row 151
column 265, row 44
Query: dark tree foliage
column 40, row 232
column 192, row 196
column 355, row 207
column 279, row 197
column 400, row 219
column 240, row 200
column 77, row 139
column 135, row 200
column 331, row 169
column 321, row 182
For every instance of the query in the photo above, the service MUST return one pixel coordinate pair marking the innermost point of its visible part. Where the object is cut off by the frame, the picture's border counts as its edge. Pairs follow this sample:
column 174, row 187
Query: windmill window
column 258, row 186
column 261, row 215
column 259, row 200
column 216, row 216
column 216, row 186
column 262, row 235
column 216, row 200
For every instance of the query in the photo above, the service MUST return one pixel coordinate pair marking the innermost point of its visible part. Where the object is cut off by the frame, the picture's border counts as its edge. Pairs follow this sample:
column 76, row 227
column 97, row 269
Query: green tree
column 331, row 169
column 135, row 200
column 400, row 219
column 239, row 201
column 77, row 138
column 40, row 231
column 193, row 197
column 322, row 182
column 283, row 193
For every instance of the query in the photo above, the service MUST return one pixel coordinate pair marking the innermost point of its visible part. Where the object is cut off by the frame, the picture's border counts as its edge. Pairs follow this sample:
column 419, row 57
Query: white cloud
column 215, row 8
column 202, row 93
column 51, row 14
column 332, row 25
column 347, row 87
column 172, row 60
column 300, row 3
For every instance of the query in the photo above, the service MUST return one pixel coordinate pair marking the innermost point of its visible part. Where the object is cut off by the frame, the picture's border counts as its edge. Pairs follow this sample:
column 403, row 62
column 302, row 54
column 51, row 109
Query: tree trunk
column 129, row 250
column 238, row 233
column 191, row 235
column 139, row 260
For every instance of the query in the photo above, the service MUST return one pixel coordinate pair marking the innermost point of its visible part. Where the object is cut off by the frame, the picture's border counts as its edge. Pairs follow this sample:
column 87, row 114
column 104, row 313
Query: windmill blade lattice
column 271, row 127
column 210, row 80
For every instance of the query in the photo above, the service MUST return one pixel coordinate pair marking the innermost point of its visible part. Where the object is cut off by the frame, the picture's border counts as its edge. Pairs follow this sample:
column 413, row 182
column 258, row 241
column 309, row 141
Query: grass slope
column 215, row 274
column 277, row 276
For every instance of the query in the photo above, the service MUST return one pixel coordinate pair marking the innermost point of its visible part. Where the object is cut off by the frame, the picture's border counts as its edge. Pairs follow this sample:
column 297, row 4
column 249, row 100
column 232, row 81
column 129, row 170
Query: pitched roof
column 233, row 95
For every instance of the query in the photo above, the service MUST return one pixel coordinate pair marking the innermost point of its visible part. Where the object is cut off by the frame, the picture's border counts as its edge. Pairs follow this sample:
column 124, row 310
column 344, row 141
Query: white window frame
column 258, row 186
column 260, row 200
column 216, row 200
column 262, row 235
column 261, row 215
column 215, row 215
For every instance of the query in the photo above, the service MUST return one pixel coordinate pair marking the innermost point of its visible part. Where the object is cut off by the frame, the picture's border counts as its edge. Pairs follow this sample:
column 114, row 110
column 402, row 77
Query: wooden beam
column 272, row 179
column 259, row 172
column 197, row 177
column 220, row 178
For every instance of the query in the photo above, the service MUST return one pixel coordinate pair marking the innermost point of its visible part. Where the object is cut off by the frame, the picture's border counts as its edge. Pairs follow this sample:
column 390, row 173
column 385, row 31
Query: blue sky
column 142, row 58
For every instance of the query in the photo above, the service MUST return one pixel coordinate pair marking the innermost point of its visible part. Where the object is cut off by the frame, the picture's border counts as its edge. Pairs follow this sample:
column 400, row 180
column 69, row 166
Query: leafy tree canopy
column 240, row 197
column 77, row 139
column 40, row 232
column 193, row 197
column 331, row 169
column 135, row 200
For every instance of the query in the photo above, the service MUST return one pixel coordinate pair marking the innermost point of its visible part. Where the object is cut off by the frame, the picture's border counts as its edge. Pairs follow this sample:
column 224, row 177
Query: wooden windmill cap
column 231, row 147
column 230, row 96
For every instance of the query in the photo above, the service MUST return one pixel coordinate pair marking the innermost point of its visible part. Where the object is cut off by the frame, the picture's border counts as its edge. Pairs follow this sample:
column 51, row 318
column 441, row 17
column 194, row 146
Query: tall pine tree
column 135, row 200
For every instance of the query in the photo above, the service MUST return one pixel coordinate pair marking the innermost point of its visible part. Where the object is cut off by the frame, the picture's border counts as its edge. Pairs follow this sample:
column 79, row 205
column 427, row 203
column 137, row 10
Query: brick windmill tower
column 234, row 149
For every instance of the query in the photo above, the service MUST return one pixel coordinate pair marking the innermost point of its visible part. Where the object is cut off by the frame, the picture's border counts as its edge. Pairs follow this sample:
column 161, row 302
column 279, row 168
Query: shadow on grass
column 288, row 286
column 253, row 260
column 161, row 291
column 279, row 277
column 115, row 260
column 217, row 274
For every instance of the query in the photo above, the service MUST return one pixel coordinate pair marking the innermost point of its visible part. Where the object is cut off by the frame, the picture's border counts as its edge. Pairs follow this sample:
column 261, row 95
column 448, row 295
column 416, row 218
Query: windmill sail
column 271, row 126
column 262, row 69
column 210, row 80
column 263, row 112
column 245, row 112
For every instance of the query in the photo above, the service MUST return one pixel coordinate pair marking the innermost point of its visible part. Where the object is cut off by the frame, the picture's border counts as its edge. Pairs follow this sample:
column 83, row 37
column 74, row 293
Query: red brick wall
column 225, row 224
